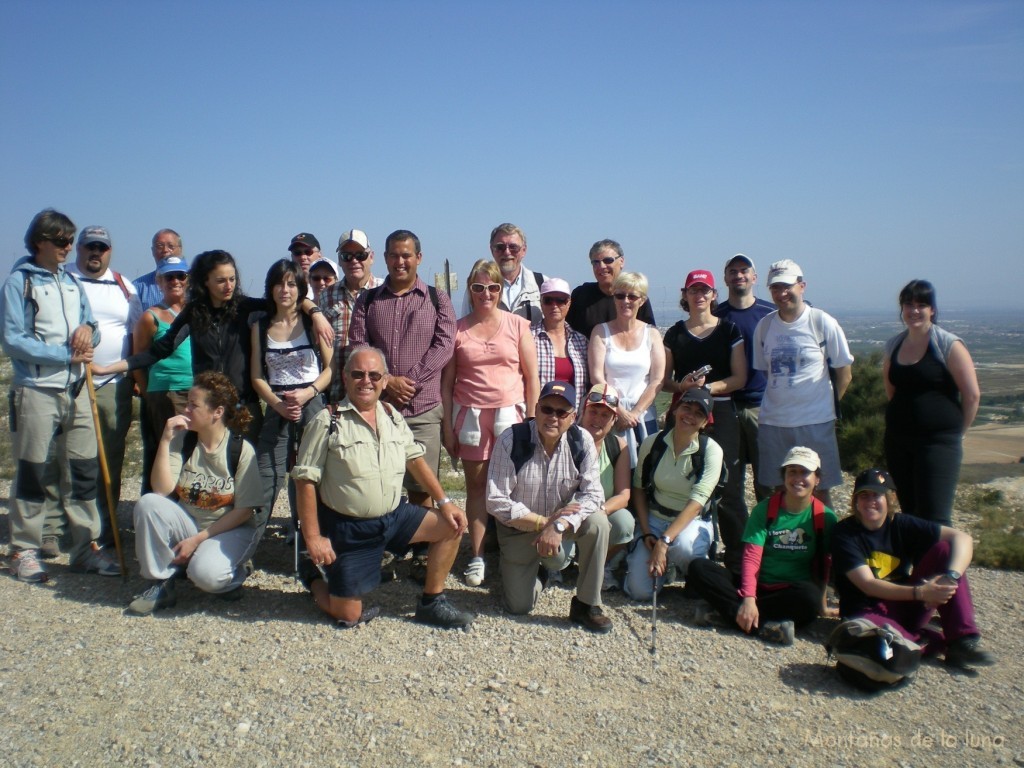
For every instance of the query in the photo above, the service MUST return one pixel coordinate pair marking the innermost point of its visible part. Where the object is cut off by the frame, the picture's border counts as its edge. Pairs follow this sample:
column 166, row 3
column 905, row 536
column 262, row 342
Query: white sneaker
column 474, row 572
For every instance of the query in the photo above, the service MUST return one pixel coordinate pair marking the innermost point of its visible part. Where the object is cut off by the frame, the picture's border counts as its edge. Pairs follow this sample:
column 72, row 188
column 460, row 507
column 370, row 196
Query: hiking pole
column 654, row 621
column 101, row 455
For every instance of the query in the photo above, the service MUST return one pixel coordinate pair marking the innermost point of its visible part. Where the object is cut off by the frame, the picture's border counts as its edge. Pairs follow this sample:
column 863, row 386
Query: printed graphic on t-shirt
column 792, row 539
column 785, row 363
column 205, row 491
column 882, row 564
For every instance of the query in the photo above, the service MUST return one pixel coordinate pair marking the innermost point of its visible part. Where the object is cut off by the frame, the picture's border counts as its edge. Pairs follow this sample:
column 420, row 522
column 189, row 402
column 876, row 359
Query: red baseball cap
column 699, row 276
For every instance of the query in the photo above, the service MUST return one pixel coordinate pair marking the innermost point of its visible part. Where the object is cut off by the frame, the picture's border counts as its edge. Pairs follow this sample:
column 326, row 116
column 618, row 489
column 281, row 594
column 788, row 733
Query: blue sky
column 872, row 142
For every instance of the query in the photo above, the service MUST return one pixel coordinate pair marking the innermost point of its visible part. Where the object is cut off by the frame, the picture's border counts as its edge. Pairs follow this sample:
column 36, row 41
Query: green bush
column 862, row 427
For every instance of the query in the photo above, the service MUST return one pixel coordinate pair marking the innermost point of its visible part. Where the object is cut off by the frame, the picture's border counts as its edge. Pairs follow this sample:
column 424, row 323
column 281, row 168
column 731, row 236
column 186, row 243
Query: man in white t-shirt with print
column 796, row 346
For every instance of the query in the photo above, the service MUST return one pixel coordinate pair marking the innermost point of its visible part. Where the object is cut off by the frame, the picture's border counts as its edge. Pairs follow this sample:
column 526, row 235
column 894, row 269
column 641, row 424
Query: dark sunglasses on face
column 607, row 261
column 359, row 256
column 549, row 410
column 97, row 247
column 373, row 376
column 61, row 242
column 182, row 276
column 559, row 300
column 597, row 397
column 630, row 296
column 302, row 252
column 321, row 279
column 502, row 247
column 489, row 287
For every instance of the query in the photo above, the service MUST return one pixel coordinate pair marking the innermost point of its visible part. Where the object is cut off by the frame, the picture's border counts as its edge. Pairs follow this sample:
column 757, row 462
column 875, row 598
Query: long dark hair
column 199, row 295
column 275, row 276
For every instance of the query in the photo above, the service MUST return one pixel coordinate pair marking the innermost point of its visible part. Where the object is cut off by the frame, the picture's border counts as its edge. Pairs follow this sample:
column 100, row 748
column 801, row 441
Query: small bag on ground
column 871, row 657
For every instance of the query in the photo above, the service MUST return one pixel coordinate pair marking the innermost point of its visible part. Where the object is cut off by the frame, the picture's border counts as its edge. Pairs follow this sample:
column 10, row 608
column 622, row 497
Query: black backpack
column 871, row 657
column 523, row 445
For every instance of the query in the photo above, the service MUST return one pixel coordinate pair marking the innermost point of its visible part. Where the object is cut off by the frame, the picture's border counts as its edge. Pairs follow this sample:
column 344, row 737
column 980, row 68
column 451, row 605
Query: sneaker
column 474, row 572
column 26, row 567
column 781, row 632
column 610, row 583
column 443, row 613
column 96, row 560
column 702, row 614
column 159, row 595
column 368, row 615
column 589, row 617
column 418, row 569
column 50, row 549
column 966, row 652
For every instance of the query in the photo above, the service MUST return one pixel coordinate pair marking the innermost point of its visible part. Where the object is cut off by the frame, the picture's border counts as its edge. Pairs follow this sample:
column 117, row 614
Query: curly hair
column 199, row 294
column 221, row 393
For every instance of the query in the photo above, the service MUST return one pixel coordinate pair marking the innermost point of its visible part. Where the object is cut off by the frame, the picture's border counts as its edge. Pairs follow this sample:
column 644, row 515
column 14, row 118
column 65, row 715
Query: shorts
column 360, row 542
column 773, row 443
column 477, row 429
column 426, row 429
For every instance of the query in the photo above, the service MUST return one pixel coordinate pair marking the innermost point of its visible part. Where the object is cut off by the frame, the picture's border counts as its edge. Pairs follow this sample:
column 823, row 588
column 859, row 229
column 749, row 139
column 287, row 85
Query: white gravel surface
column 268, row 682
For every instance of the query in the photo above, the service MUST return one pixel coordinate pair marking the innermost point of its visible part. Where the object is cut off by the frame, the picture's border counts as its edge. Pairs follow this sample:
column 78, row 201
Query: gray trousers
column 54, row 444
column 520, row 563
column 217, row 565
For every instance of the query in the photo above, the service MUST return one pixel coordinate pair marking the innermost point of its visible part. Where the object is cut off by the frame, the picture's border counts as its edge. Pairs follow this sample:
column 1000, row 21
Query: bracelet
column 540, row 524
column 315, row 390
column 314, row 310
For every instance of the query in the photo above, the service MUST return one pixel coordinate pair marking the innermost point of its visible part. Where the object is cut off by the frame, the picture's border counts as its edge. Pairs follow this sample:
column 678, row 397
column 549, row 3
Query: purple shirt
column 417, row 340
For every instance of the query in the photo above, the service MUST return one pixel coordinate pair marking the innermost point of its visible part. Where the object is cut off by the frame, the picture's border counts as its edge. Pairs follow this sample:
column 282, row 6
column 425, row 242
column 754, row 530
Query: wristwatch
column 954, row 575
column 441, row 502
column 560, row 526
column 666, row 540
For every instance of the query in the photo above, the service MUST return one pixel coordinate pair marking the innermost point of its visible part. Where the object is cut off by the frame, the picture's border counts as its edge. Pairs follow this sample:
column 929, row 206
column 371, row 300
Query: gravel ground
column 267, row 682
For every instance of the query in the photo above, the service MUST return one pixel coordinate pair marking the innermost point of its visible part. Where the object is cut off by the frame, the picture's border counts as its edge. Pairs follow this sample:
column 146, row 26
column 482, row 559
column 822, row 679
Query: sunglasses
column 596, row 397
column 373, row 376
column 302, row 252
column 549, row 410
column 607, row 261
column 182, row 276
column 60, row 242
column 502, row 247
column 358, row 256
column 322, row 279
column 627, row 297
column 97, row 247
column 489, row 287
column 559, row 300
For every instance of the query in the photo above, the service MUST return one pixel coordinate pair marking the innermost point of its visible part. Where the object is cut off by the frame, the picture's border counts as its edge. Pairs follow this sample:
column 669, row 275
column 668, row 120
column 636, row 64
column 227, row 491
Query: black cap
column 304, row 238
column 873, row 479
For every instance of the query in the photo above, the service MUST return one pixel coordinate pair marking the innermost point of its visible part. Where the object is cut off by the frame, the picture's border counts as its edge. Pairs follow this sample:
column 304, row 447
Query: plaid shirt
column 575, row 349
column 337, row 302
column 544, row 483
column 417, row 340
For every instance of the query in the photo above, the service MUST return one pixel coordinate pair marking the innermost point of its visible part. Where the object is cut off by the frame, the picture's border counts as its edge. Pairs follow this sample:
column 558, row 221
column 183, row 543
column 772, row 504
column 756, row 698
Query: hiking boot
column 589, row 617
column 368, row 615
column 610, row 583
column 50, row 549
column 781, row 632
column 96, row 560
column 966, row 652
column 26, row 567
column 475, row 572
column 159, row 595
column 418, row 569
column 443, row 613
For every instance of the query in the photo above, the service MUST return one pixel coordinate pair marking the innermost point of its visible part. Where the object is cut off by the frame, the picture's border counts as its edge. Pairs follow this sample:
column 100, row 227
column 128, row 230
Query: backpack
column 523, row 445
column 817, row 520
column 612, row 447
column 653, row 458
column 817, row 321
column 871, row 657
column 188, row 447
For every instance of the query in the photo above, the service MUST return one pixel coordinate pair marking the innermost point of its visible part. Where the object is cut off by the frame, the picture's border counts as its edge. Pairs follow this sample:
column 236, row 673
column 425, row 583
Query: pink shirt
column 487, row 373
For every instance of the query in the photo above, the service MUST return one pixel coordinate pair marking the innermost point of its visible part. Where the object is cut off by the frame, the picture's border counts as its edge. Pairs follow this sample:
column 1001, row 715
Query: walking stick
column 654, row 621
column 101, row 454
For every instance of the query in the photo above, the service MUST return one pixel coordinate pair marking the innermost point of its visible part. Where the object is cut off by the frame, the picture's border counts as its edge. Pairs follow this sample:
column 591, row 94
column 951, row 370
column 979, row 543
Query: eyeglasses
column 60, row 242
column 607, row 261
column 329, row 279
column 165, row 246
column 549, row 410
column 598, row 397
column 698, row 290
column 182, row 276
column 627, row 297
column 502, row 247
column 358, row 256
column 302, row 252
column 559, row 300
column 489, row 287
column 373, row 376
column 97, row 247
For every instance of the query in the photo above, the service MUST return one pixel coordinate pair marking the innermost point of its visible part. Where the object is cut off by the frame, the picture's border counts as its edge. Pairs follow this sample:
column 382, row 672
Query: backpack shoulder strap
column 576, row 446
column 263, row 323
column 371, row 294
column 189, row 446
column 818, row 521
column 522, row 445
column 234, row 452
column 432, row 291
column 651, row 461
column 119, row 279
column 612, row 447
column 774, row 503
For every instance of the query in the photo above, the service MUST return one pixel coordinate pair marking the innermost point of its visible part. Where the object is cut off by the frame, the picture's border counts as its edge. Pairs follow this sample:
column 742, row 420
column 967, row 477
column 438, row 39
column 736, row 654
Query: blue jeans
column 693, row 542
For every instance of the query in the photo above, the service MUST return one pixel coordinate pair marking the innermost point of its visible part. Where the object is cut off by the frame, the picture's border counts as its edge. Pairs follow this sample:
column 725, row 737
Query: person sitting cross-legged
column 348, row 483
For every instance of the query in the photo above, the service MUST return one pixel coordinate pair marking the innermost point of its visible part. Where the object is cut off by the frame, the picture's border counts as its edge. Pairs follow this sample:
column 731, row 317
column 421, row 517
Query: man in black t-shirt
column 592, row 303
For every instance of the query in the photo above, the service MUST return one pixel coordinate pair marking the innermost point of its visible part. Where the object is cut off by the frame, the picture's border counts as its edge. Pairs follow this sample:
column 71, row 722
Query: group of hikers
column 344, row 387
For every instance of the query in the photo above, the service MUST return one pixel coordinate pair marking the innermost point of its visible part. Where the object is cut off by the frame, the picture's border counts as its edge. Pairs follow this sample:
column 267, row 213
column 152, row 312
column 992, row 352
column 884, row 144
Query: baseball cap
column 355, row 236
column 555, row 285
column 785, row 271
column 94, row 235
column 562, row 389
column 802, row 457
column 172, row 264
column 329, row 262
column 874, row 479
column 604, row 395
column 304, row 238
column 701, row 397
column 741, row 257
column 699, row 276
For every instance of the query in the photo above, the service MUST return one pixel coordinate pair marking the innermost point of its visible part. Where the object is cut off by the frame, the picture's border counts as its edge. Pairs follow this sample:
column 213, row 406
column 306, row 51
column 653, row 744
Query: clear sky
column 872, row 142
